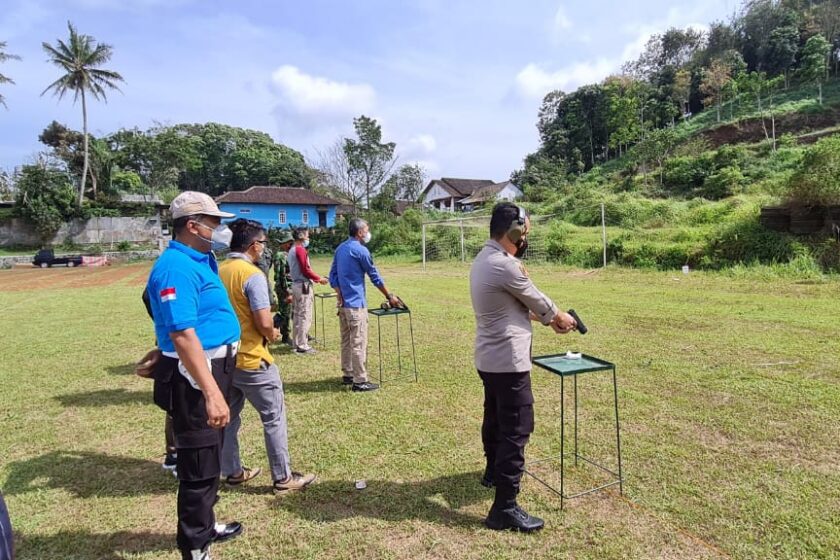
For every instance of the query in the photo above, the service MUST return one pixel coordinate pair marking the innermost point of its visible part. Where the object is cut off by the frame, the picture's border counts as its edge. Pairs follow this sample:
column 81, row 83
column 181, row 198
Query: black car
column 46, row 258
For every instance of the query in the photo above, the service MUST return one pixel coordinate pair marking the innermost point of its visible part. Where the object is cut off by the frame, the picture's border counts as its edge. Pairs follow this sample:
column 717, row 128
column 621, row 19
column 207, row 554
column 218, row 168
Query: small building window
column 281, row 217
column 305, row 217
column 244, row 210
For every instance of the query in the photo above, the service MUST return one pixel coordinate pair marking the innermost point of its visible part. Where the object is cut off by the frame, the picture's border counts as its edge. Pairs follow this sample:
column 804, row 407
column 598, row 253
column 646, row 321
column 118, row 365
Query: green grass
column 728, row 386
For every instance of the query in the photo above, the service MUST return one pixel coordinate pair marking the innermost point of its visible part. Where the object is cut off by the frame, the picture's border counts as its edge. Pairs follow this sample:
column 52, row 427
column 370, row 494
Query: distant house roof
column 346, row 210
column 484, row 194
column 458, row 188
column 276, row 195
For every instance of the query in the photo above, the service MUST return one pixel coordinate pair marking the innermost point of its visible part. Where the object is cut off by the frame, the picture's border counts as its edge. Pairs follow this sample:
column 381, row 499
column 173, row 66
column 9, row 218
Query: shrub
column 746, row 241
column 124, row 246
column 127, row 182
column 45, row 197
column 722, row 183
column 685, row 173
column 827, row 254
column 730, row 156
column 817, row 181
column 701, row 211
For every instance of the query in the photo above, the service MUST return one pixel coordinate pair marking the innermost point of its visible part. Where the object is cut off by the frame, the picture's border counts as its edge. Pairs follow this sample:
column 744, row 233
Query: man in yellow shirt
column 256, row 376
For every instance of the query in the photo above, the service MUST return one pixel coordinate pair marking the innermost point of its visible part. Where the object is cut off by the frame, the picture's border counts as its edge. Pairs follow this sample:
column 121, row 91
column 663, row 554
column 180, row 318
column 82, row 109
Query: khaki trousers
column 354, row 339
column 302, row 315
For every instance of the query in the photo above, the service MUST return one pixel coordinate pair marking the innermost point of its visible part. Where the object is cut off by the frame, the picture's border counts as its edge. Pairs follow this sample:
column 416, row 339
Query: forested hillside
column 688, row 142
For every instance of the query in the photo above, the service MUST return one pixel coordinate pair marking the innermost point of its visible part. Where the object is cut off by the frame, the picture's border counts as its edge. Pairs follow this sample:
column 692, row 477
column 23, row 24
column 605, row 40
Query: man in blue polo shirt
column 198, row 335
column 347, row 277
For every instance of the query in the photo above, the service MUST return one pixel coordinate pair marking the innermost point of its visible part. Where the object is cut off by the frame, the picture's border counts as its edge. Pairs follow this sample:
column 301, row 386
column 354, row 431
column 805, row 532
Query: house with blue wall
column 281, row 207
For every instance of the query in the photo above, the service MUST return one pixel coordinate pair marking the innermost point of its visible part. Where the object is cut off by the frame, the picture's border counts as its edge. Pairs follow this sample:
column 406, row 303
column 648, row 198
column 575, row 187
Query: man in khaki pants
column 347, row 276
column 302, row 293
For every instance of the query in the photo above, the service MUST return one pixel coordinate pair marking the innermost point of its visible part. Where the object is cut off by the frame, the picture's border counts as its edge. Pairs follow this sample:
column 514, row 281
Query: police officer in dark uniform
column 198, row 335
column 505, row 301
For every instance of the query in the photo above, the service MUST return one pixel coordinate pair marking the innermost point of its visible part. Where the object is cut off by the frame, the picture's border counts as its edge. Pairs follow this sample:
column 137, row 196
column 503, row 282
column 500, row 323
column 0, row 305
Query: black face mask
column 521, row 247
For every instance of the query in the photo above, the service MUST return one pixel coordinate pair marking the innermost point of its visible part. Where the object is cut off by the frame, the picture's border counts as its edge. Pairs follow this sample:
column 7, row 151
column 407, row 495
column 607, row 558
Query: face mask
column 305, row 243
column 366, row 237
column 220, row 238
column 521, row 247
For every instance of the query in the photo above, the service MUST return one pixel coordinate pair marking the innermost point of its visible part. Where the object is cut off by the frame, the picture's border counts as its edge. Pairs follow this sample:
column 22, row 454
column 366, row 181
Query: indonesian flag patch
column 167, row 294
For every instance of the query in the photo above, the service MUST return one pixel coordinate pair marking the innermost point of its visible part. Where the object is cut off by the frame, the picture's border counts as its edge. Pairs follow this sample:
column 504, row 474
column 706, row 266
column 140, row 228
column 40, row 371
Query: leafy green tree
column 755, row 27
column 4, row 56
column 211, row 158
column 681, row 91
column 127, row 182
column 781, row 50
column 386, row 199
column 68, row 146
column 410, row 180
column 754, row 84
column 370, row 161
column 81, row 59
column 220, row 158
column 622, row 103
column 45, row 197
column 541, row 175
column 827, row 18
column 6, row 185
column 554, row 136
column 715, row 80
column 815, row 62
column 656, row 147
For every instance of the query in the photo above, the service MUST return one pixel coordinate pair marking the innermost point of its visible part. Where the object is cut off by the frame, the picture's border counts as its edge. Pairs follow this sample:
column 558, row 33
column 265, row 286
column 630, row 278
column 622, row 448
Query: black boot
column 506, row 513
column 512, row 517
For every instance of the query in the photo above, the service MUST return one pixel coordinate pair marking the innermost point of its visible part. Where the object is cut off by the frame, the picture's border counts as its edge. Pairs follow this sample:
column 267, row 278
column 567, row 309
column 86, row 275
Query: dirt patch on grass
column 752, row 130
column 35, row 279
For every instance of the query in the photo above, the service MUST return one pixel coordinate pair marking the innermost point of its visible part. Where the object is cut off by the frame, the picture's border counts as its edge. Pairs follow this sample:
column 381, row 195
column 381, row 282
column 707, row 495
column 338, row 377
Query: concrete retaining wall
column 19, row 232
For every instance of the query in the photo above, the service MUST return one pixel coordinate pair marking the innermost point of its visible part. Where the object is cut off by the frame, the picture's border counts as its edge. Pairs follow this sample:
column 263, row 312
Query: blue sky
column 456, row 84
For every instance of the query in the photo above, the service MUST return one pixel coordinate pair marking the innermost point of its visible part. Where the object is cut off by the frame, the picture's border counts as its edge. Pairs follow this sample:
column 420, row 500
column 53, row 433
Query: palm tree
column 81, row 59
column 4, row 56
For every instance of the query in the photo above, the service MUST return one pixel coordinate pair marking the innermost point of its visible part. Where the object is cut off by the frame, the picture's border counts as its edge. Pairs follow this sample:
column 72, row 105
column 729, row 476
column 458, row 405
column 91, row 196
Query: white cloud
column 534, row 82
column 305, row 94
column 424, row 143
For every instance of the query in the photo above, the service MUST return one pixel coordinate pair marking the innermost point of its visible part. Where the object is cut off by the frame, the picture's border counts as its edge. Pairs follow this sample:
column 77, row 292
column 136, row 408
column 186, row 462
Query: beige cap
column 191, row 203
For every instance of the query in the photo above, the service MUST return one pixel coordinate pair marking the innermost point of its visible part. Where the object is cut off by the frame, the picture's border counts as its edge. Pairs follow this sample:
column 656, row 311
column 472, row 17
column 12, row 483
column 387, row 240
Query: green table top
column 560, row 365
column 379, row 312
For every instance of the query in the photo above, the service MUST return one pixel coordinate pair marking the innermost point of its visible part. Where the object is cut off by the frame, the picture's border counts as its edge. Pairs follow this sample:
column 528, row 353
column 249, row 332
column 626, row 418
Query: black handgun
column 581, row 328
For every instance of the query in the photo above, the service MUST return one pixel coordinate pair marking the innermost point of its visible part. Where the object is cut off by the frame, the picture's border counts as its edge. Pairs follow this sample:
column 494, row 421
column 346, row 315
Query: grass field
column 729, row 393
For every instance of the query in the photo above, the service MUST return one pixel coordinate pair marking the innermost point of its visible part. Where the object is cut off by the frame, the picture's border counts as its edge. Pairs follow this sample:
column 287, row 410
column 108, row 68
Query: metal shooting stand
column 394, row 312
column 322, row 296
column 565, row 367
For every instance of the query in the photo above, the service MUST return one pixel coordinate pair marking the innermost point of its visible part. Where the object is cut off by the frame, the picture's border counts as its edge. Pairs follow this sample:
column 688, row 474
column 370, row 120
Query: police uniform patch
column 524, row 270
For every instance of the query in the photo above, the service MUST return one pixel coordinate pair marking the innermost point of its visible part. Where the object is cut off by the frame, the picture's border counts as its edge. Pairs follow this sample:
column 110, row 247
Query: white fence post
column 604, row 231
column 461, row 224
column 424, row 247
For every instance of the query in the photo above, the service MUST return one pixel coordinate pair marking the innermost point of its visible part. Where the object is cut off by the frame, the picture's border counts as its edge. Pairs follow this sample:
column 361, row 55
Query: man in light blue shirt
column 347, row 277
column 198, row 336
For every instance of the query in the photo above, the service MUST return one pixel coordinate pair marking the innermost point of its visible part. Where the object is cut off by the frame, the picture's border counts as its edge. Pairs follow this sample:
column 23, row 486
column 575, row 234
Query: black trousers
column 508, row 424
column 169, row 434
column 199, row 454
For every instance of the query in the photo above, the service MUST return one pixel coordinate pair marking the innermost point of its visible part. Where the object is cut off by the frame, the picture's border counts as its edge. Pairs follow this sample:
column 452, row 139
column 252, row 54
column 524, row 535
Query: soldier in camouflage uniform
column 283, row 286
column 264, row 264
